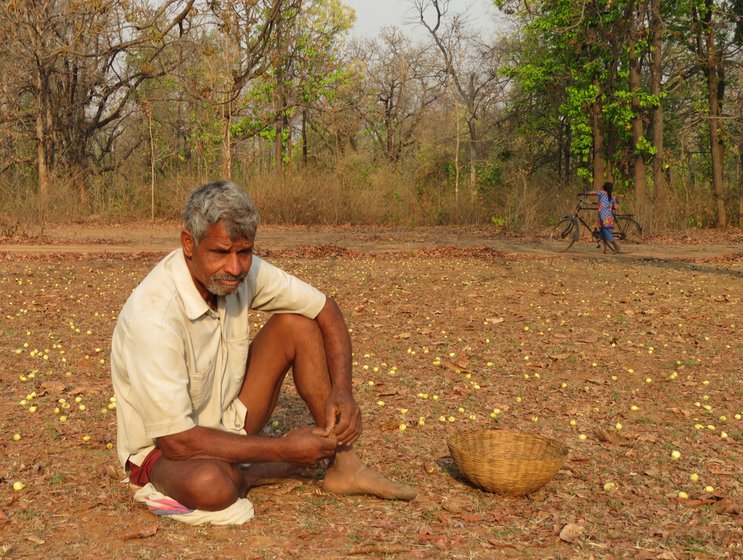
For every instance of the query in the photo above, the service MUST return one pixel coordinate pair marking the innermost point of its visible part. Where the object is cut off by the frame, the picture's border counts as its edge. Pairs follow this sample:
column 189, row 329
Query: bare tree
column 248, row 31
column 470, row 63
column 79, row 65
column 400, row 83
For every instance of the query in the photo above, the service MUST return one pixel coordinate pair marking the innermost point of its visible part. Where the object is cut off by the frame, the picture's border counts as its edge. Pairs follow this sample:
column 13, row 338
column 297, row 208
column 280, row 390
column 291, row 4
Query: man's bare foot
column 260, row 474
column 349, row 476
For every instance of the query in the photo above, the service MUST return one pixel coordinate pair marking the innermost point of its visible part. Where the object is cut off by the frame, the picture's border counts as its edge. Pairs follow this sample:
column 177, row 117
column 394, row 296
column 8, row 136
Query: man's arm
column 303, row 446
column 343, row 416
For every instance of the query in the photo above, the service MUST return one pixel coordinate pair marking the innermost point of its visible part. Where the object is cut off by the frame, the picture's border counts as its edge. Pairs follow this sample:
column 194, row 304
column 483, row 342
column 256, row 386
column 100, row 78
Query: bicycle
column 568, row 229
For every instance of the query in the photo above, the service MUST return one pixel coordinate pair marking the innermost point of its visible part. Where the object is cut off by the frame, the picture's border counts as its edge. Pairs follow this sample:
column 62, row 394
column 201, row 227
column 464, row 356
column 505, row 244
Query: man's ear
column 187, row 242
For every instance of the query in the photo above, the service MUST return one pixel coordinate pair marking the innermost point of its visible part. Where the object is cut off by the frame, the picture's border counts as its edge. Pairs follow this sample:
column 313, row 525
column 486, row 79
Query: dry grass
column 355, row 191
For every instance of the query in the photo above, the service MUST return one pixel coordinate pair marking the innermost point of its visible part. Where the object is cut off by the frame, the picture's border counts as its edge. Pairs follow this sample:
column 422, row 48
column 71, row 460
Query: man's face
column 218, row 264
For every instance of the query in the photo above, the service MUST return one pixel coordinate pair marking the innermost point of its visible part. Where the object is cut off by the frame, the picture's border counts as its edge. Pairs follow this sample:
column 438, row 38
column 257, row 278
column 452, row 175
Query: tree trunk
column 567, row 141
column 740, row 184
column 41, row 161
column 563, row 150
column 456, row 152
column 152, row 162
column 44, row 146
column 716, row 147
column 278, row 143
column 659, row 177
column 227, row 140
column 304, row 137
column 389, row 127
column 560, row 143
column 287, row 132
column 637, row 125
column 473, row 155
column 598, row 141
column 80, row 174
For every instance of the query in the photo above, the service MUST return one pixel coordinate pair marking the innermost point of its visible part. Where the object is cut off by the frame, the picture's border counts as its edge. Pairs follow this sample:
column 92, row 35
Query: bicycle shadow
column 642, row 254
column 681, row 264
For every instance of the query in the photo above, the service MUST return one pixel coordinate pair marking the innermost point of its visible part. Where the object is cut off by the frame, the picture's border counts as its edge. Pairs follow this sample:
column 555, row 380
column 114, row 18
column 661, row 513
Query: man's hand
column 306, row 446
column 342, row 414
column 342, row 417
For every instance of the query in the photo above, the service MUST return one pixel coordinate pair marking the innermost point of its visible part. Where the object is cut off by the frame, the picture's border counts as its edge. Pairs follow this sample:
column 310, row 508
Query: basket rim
column 455, row 441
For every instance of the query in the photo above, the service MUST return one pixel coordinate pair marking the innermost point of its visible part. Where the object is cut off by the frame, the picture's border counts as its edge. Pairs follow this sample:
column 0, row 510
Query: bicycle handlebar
column 581, row 198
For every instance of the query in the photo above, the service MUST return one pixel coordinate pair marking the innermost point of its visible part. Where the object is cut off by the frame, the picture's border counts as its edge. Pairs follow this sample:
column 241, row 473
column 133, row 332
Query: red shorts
column 140, row 475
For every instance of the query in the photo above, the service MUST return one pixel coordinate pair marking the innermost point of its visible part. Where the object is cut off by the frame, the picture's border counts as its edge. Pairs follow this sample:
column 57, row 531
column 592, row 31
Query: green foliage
column 695, row 222
column 575, row 55
column 490, row 174
column 498, row 221
column 645, row 147
column 576, row 108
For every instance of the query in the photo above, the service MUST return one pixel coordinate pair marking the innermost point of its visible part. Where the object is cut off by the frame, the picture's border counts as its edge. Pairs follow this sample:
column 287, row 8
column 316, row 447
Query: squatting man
column 193, row 393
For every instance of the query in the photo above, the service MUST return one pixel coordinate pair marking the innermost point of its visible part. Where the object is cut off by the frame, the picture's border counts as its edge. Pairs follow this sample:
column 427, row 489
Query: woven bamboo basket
column 505, row 462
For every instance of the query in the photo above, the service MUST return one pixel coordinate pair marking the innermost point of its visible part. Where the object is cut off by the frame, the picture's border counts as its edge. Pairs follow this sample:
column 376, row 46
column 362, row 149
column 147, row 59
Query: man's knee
column 294, row 323
column 295, row 331
column 214, row 486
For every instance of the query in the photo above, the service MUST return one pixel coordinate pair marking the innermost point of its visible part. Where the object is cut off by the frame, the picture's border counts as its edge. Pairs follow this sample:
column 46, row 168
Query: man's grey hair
column 220, row 201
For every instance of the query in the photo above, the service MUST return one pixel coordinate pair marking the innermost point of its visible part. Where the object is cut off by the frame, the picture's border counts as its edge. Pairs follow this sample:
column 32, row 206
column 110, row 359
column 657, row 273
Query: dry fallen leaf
column 453, row 506
column 697, row 502
column 495, row 543
column 111, row 472
column 571, row 532
column 729, row 506
column 286, row 487
column 474, row 517
column 390, row 426
column 723, row 471
column 144, row 533
column 84, row 390
column 608, row 436
column 54, row 387
column 588, row 339
column 455, row 367
column 380, row 549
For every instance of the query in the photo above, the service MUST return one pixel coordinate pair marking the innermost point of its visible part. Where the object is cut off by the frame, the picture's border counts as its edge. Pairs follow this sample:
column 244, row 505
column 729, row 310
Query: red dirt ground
column 454, row 329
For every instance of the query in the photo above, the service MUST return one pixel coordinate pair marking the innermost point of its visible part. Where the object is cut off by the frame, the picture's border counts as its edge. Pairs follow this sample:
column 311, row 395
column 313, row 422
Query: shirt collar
column 193, row 303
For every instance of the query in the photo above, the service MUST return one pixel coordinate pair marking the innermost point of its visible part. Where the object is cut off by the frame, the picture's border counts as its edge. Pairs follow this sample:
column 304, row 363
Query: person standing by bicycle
column 607, row 203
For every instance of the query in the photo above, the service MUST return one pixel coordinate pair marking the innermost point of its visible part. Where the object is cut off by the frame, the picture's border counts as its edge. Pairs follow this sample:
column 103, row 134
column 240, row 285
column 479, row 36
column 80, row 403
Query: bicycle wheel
column 631, row 231
column 564, row 234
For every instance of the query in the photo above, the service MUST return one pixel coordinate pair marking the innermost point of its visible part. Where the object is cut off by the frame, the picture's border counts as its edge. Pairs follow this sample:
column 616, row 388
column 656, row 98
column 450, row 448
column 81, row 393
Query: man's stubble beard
column 217, row 289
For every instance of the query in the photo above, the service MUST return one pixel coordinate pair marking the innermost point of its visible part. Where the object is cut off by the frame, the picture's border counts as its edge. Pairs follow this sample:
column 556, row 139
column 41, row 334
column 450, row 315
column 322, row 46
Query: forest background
column 112, row 110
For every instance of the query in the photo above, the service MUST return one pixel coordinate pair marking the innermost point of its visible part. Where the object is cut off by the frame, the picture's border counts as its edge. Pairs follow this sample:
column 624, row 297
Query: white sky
column 371, row 15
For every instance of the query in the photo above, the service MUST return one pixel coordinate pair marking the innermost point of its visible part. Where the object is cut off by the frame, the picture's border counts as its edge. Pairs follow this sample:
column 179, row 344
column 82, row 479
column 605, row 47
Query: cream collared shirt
column 176, row 363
